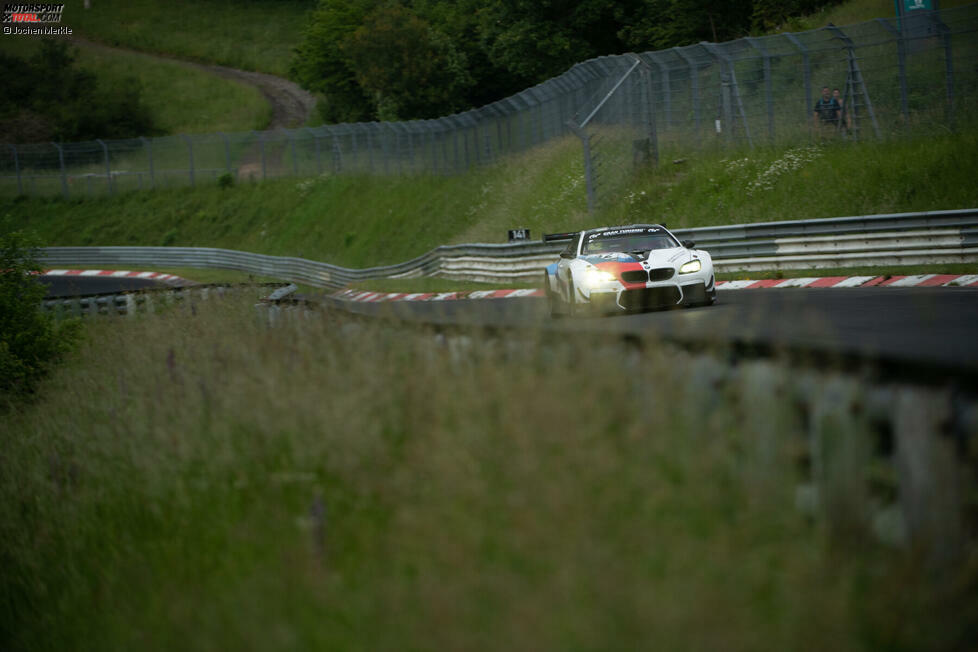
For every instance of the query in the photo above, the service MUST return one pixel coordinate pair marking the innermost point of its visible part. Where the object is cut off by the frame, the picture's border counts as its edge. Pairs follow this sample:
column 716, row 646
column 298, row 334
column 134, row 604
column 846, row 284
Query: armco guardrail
column 898, row 239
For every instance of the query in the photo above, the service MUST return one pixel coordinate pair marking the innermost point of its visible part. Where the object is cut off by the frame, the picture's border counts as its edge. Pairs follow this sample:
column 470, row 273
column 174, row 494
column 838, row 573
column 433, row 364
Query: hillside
column 358, row 221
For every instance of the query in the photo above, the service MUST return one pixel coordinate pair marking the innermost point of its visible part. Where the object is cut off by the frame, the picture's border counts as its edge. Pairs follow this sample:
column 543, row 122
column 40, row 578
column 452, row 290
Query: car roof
column 625, row 226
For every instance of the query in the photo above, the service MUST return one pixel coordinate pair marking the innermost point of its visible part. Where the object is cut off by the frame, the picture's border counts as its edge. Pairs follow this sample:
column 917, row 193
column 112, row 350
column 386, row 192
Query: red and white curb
column 169, row 279
column 377, row 297
column 924, row 280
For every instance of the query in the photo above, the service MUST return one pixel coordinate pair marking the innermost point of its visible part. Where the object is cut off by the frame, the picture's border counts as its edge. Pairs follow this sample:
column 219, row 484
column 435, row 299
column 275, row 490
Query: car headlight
column 690, row 267
column 595, row 277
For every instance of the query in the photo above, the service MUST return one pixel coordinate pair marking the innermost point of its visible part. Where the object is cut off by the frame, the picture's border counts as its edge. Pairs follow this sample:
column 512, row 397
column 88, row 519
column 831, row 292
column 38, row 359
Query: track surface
column 929, row 326
column 76, row 286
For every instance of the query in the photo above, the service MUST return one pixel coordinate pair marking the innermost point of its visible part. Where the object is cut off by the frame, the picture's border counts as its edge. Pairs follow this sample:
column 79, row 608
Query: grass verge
column 181, row 98
column 235, row 486
column 247, row 35
column 361, row 221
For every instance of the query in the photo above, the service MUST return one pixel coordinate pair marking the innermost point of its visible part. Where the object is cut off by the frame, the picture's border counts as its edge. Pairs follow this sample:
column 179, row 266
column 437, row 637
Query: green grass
column 360, row 221
column 247, row 35
column 181, row 98
column 856, row 11
column 163, row 493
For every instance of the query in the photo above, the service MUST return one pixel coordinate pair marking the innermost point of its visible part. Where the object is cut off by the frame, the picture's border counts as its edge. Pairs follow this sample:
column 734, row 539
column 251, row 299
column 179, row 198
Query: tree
column 30, row 340
column 62, row 102
column 406, row 67
column 320, row 65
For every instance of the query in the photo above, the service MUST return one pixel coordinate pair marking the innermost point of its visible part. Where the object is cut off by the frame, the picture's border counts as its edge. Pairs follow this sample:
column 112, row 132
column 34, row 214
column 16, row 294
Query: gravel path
column 291, row 105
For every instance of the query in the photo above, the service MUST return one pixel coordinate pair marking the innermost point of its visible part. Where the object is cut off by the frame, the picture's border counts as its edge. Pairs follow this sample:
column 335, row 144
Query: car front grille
column 647, row 298
column 635, row 276
column 661, row 274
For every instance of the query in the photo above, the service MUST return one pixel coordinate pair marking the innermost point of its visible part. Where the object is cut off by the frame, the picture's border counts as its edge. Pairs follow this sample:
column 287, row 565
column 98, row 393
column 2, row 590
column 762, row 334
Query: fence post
column 261, row 143
column 666, row 90
column 648, row 117
column 948, row 64
column 190, row 149
column 694, row 79
column 370, row 151
column 20, row 183
column 731, row 93
column 227, row 151
column 807, row 75
column 855, row 79
column 108, row 167
column 64, row 173
column 588, row 167
column 768, row 88
column 901, row 65
column 152, row 173
column 315, row 140
column 295, row 161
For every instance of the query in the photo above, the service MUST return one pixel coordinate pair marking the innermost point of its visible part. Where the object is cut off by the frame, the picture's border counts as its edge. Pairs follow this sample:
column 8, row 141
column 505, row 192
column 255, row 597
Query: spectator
column 827, row 114
column 844, row 118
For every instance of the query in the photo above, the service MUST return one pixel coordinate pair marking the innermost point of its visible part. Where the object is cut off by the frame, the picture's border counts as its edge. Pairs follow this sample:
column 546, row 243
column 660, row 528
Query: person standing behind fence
column 828, row 111
column 845, row 120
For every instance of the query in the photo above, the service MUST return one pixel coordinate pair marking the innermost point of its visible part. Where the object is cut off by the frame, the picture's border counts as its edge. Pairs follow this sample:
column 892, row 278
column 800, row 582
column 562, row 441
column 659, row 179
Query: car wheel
column 572, row 308
column 552, row 298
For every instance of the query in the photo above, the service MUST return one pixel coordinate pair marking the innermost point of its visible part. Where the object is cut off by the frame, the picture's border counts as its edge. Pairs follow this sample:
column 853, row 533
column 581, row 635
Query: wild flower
column 792, row 160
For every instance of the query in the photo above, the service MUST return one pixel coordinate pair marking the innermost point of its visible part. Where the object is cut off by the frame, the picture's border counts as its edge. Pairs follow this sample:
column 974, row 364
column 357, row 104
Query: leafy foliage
column 50, row 99
column 30, row 340
column 371, row 59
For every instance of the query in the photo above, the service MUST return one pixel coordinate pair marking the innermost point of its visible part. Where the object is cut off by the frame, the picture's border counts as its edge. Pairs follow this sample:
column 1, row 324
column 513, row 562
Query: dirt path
column 291, row 105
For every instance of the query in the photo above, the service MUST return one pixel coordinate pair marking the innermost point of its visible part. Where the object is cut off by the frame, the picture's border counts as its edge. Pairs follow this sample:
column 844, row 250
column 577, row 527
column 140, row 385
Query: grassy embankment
column 181, row 98
column 359, row 221
column 247, row 35
column 329, row 486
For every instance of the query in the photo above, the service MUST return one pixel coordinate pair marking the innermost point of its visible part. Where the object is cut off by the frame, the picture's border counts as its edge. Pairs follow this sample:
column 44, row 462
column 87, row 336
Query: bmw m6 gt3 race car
column 626, row 268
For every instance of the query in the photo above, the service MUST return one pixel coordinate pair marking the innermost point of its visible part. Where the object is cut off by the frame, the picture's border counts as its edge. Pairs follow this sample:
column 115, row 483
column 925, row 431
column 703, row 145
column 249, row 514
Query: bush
column 30, row 340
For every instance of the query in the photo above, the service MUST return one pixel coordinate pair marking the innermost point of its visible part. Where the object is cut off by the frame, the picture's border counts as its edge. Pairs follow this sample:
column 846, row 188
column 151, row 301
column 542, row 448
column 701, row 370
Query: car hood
column 657, row 258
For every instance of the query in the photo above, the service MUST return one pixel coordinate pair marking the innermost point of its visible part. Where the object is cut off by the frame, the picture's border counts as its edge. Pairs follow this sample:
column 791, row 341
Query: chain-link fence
column 628, row 110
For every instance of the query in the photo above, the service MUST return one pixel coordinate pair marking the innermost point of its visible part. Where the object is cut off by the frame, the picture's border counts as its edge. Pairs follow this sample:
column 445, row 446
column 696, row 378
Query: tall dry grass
column 198, row 479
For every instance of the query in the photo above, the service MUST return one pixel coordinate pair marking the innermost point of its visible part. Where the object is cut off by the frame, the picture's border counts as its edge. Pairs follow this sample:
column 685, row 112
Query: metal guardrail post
column 768, row 85
column 108, row 167
column 152, row 172
column 20, row 182
column 64, row 173
column 190, row 149
column 807, row 74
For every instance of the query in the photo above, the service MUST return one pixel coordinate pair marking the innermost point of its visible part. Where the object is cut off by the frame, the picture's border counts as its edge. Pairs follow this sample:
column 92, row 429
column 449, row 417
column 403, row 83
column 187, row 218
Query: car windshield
column 628, row 240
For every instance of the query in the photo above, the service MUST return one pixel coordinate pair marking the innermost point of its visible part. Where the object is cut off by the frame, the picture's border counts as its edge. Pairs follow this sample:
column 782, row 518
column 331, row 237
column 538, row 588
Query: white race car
column 626, row 268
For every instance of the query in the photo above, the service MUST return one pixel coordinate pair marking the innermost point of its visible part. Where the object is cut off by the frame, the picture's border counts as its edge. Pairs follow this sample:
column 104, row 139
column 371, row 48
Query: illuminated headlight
column 595, row 277
column 690, row 267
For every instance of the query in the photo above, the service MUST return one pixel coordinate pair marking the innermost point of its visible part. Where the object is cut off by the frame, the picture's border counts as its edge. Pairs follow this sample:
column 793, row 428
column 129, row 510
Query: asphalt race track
column 915, row 326
column 79, row 286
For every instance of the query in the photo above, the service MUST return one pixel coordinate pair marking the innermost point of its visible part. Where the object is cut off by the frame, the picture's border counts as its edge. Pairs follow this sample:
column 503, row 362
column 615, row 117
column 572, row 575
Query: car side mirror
column 566, row 254
column 689, row 244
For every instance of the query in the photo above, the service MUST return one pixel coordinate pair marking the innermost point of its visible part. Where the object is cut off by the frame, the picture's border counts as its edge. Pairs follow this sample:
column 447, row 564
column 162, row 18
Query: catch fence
column 629, row 111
